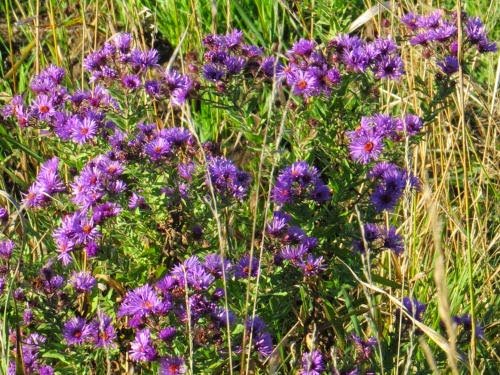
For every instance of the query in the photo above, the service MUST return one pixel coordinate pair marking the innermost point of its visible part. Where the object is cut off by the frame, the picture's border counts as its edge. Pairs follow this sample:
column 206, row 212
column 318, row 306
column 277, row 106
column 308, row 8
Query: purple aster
column 138, row 201
column 432, row 20
column 43, row 107
column 294, row 253
column 144, row 59
column 212, row 72
column 391, row 240
column 158, row 148
column 294, row 235
column 141, row 349
column 122, row 41
column 234, row 64
column 6, row 248
column 45, row 370
column 449, row 65
column 311, row 266
column 365, row 146
column 214, row 264
column 251, row 51
column 410, row 20
column 172, row 366
column 389, row 68
column 277, row 227
column 312, row 363
column 246, row 267
column 82, row 130
column 140, row 302
column 167, row 334
column 380, row 169
column 305, row 83
column 153, row 88
column 363, row 347
column 302, row 47
column 465, row 321
column 105, row 211
column 176, row 136
column 356, row 60
column 412, row 124
column 76, row 331
column 443, row 32
column 226, row 179
column 422, row 39
column 271, row 67
column 83, row 281
column 414, row 308
column 104, row 330
column 3, row 282
column 131, row 81
column 385, row 199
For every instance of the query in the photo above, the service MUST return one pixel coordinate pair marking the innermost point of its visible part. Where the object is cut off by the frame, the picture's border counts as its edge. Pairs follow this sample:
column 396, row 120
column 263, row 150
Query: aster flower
column 167, row 334
column 140, row 302
column 294, row 253
column 363, row 347
column 82, row 130
column 365, row 146
column 104, row 331
column 43, row 107
column 389, row 68
column 226, row 179
column 6, row 248
column 246, row 267
column 212, row 72
column 305, row 83
column 465, row 321
column 311, row 266
column 312, row 363
column 141, row 349
column 172, row 366
column 414, row 308
column 138, row 201
column 214, row 264
column 83, row 281
column 122, row 41
column 76, row 331
column 449, row 65
column 278, row 225
column 303, row 47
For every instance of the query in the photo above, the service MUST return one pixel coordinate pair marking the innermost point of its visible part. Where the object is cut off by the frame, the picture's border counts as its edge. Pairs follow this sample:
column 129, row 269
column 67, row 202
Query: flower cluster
column 46, row 185
column 312, row 363
column 299, row 182
column 226, row 179
column 290, row 243
column 99, row 332
column 31, row 360
column 380, row 237
column 367, row 142
column 390, row 184
column 413, row 308
column 438, row 32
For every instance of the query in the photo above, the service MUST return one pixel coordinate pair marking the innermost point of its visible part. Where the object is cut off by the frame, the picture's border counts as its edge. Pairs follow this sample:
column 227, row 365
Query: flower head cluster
column 119, row 61
column 227, row 180
column 30, row 350
column 356, row 55
column 98, row 332
column 413, row 308
column 465, row 322
column 363, row 347
column 367, row 142
column 6, row 248
column 262, row 341
column 226, row 56
column 380, row 237
column 312, row 363
column 438, row 32
column 46, row 185
column 391, row 182
column 299, row 182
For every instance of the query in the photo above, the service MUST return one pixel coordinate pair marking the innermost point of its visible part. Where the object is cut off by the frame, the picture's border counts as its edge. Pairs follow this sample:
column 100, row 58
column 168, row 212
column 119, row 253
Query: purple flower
column 311, row 266
column 294, row 253
column 6, row 248
column 226, row 179
column 414, row 308
column 365, row 145
column 141, row 302
column 138, row 201
column 215, row 265
column 167, row 334
column 246, row 267
column 104, row 331
column 389, row 68
column 122, row 41
column 305, row 83
column 302, row 47
column 172, row 366
column 83, row 281
column 449, row 65
column 465, row 321
column 76, row 331
column 82, row 130
column 412, row 124
column 131, row 81
column 158, row 148
column 47, row 183
column 144, row 59
column 277, row 227
column 363, row 347
column 212, row 72
column 261, row 339
column 141, row 349
column 312, row 363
